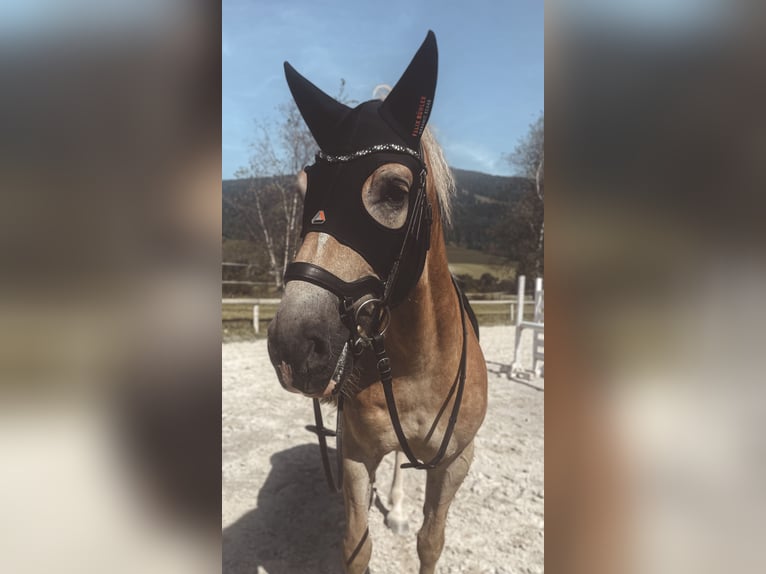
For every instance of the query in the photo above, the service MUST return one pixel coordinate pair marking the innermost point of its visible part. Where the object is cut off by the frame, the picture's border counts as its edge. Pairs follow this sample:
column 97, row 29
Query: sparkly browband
column 370, row 150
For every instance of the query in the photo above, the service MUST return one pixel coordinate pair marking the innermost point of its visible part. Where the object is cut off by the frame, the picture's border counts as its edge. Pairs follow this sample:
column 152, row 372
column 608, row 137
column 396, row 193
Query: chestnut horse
column 370, row 307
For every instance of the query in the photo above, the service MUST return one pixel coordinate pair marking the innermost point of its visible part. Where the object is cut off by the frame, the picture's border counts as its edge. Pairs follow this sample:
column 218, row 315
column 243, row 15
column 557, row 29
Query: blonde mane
column 441, row 175
column 438, row 170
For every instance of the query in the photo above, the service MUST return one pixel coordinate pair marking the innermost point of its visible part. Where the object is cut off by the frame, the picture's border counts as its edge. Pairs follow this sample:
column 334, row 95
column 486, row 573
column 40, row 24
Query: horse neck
column 427, row 323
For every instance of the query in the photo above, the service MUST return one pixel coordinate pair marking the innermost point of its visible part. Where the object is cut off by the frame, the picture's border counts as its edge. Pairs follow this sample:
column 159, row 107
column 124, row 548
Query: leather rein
column 372, row 337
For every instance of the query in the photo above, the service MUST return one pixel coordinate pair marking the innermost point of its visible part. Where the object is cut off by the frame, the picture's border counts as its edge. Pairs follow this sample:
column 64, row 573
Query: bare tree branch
column 272, row 206
column 525, row 226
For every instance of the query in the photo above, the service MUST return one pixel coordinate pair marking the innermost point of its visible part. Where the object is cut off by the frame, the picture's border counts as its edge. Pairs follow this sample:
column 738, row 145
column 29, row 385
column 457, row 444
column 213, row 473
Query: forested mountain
column 481, row 201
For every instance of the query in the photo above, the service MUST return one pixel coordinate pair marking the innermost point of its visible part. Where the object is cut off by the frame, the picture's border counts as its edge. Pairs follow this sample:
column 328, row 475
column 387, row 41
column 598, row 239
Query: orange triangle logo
column 319, row 218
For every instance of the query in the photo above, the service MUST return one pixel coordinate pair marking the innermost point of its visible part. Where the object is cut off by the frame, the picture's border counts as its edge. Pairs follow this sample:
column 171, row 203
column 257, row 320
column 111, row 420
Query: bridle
column 382, row 298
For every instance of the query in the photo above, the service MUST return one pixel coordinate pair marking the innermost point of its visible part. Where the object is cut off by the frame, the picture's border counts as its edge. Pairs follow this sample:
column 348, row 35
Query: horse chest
column 369, row 420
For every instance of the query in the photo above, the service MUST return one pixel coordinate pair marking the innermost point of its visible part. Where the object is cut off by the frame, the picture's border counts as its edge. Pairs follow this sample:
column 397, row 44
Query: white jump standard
column 537, row 326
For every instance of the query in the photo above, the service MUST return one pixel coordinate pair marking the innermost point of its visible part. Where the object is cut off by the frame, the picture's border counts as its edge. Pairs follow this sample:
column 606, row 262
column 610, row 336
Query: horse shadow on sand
column 500, row 369
column 296, row 527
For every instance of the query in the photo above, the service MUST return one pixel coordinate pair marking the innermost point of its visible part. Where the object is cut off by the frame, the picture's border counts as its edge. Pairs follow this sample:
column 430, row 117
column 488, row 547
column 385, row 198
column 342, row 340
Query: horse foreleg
column 441, row 485
column 395, row 519
column 357, row 492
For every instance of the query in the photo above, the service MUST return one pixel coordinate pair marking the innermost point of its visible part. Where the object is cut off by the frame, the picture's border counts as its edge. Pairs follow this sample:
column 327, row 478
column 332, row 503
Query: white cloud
column 468, row 155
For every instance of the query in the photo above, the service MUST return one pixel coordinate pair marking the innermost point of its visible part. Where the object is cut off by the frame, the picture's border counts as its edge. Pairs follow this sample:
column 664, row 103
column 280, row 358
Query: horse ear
column 320, row 111
column 408, row 105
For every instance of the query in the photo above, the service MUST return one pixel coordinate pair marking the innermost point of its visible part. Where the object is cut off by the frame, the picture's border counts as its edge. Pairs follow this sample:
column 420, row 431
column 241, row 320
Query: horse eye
column 394, row 194
column 385, row 197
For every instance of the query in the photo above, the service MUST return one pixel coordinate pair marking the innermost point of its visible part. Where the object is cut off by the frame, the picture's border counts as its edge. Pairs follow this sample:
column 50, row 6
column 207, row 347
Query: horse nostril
column 318, row 346
column 306, row 354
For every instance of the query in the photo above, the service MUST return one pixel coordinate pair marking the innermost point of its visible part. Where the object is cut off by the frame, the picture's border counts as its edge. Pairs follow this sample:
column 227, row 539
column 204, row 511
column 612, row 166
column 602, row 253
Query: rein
column 322, row 433
column 384, row 369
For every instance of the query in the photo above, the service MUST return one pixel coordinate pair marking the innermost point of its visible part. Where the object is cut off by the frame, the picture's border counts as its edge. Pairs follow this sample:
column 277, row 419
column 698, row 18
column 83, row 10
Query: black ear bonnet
column 354, row 143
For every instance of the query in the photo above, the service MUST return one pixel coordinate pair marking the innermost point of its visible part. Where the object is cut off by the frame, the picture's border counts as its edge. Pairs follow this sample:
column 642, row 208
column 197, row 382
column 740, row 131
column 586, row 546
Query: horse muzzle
column 306, row 341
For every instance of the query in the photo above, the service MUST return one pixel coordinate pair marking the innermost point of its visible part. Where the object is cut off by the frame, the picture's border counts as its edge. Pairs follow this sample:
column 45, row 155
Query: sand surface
column 279, row 517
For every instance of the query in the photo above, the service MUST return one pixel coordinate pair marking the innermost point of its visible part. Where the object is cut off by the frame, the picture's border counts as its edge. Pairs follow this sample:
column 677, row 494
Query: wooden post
column 256, row 319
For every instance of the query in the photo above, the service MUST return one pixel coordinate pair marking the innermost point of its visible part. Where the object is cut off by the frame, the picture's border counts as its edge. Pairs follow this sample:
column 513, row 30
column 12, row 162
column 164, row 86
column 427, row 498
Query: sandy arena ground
column 279, row 517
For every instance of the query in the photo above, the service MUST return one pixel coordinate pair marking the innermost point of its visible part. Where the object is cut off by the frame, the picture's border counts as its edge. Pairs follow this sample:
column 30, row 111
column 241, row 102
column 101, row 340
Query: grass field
column 462, row 261
column 475, row 263
column 237, row 320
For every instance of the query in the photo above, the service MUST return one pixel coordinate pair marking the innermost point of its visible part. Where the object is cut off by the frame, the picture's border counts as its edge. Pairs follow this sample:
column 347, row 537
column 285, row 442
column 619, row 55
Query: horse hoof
column 397, row 525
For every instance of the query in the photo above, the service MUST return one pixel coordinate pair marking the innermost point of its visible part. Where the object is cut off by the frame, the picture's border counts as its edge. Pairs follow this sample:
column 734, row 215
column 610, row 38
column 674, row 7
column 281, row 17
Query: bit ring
column 384, row 320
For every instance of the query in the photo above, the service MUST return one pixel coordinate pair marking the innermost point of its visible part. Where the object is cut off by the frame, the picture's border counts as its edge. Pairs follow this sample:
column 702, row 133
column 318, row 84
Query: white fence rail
column 256, row 303
column 515, row 314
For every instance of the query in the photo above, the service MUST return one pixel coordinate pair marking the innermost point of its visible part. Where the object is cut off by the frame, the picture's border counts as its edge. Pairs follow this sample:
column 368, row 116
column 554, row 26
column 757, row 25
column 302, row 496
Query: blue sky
column 491, row 78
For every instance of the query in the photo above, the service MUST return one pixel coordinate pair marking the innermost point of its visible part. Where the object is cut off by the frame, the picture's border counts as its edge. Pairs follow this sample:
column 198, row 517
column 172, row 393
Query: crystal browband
column 367, row 151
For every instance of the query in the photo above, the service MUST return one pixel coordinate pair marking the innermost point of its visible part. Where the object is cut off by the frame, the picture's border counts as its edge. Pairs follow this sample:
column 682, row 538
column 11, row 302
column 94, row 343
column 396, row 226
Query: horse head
column 365, row 228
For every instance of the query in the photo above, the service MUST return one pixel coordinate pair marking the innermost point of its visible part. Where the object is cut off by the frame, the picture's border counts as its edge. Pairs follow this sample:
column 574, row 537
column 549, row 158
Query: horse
column 371, row 316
